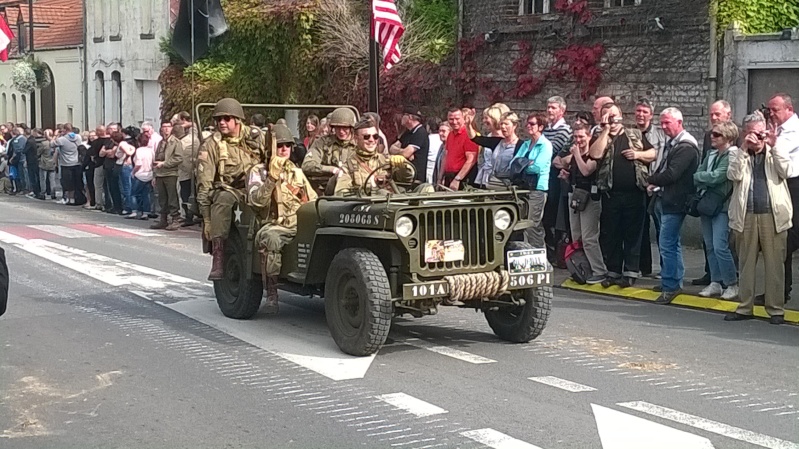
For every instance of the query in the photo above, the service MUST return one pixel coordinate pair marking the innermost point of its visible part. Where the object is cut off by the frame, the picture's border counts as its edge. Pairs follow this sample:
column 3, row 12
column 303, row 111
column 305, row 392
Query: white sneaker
column 730, row 293
column 62, row 201
column 132, row 215
column 714, row 289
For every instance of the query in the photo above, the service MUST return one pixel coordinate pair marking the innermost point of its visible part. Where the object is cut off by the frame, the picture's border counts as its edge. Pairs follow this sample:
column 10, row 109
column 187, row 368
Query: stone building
column 660, row 49
column 123, row 59
column 57, row 42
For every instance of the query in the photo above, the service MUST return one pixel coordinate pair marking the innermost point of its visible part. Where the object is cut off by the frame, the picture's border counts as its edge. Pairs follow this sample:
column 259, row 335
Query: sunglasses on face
column 532, row 124
column 284, row 145
column 370, row 136
column 224, row 118
column 715, row 134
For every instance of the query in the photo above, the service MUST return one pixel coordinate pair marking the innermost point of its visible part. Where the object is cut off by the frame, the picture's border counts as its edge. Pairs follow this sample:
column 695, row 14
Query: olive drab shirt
column 277, row 201
column 357, row 169
column 325, row 155
column 223, row 163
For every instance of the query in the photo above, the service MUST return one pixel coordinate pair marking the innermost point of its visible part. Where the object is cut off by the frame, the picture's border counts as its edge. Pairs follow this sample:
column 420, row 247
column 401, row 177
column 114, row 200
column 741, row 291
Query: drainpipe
column 85, row 67
column 715, row 60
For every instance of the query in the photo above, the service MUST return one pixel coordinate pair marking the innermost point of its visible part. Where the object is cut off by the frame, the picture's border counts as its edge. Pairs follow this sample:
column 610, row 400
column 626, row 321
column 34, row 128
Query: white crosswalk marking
column 619, row 430
column 131, row 230
column 728, row 431
column 563, row 384
column 449, row 352
column 497, row 440
column 411, row 404
column 63, row 231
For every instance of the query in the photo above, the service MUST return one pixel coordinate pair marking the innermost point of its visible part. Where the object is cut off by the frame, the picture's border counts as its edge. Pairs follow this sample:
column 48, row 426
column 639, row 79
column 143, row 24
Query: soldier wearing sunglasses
column 366, row 160
column 223, row 161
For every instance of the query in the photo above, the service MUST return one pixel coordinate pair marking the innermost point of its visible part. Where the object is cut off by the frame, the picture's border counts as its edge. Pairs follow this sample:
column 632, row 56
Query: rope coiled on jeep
column 477, row 285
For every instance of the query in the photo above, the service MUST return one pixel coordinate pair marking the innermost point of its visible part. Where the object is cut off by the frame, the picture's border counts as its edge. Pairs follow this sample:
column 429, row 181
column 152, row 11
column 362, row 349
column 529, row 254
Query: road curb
column 685, row 300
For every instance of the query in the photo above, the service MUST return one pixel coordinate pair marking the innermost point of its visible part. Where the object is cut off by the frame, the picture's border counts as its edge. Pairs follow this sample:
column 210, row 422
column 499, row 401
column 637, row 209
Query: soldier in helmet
column 326, row 155
column 275, row 191
column 222, row 165
column 366, row 159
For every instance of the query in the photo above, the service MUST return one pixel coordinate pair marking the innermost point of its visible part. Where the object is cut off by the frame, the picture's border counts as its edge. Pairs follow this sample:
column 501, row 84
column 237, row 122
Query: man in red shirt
column 461, row 152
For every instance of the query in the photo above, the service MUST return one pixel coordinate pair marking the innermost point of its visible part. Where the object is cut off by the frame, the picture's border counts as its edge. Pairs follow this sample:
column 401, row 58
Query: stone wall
column 659, row 50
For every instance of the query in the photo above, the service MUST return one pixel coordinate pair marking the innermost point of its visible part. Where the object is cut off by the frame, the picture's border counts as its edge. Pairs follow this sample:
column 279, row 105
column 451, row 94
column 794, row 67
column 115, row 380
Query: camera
column 766, row 113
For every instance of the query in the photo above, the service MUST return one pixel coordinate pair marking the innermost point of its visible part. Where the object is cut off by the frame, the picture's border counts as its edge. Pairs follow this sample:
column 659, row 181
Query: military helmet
column 282, row 134
column 342, row 117
column 228, row 106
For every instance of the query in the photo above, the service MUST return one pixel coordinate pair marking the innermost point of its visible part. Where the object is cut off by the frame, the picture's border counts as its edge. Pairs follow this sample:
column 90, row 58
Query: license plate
column 434, row 289
column 443, row 251
column 528, row 280
column 527, row 261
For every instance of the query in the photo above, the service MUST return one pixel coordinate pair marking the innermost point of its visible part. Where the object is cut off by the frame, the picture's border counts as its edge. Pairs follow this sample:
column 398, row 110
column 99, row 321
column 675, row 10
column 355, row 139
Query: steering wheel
column 393, row 185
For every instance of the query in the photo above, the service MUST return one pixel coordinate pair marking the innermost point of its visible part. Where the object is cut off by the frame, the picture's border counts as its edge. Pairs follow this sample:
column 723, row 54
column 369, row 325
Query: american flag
column 387, row 28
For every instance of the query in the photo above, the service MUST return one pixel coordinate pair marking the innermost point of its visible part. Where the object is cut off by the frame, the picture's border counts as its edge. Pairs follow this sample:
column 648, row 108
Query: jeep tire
column 522, row 323
column 358, row 304
column 237, row 296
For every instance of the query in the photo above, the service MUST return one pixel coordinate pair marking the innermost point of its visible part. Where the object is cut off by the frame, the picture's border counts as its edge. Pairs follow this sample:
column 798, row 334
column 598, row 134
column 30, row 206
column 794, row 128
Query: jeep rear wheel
column 358, row 304
column 237, row 296
column 521, row 324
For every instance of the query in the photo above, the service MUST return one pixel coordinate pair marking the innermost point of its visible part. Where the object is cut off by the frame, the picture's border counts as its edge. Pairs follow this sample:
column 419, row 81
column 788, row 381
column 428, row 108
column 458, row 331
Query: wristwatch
column 458, row 178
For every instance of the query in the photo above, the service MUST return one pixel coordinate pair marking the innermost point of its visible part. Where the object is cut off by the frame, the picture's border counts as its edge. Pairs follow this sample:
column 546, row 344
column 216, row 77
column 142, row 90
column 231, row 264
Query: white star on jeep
column 238, row 214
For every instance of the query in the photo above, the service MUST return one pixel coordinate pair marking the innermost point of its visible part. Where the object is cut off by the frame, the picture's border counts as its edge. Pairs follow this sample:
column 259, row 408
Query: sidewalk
column 694, row 268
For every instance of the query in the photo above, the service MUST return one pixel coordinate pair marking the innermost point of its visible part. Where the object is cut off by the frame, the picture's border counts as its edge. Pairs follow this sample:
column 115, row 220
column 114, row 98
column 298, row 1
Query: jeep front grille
column 474, row 226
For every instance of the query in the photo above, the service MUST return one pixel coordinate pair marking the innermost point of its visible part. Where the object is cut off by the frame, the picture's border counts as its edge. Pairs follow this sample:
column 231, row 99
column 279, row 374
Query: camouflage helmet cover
column 228, row 106
column 282, row 134
column 342, row 117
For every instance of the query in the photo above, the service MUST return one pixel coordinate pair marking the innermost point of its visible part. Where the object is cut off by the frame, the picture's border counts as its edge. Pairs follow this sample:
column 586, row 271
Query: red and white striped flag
column 5, row 38
column 387, row 28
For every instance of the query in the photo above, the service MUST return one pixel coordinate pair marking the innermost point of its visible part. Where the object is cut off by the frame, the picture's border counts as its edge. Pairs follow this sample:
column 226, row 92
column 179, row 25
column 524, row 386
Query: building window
column 612, row 3
column 146, row 17
column 4, row 106
column 70, row 115
column 24, row 108
column 116, row 96
column 535, row 7
column 114, row 25
column 14, row 108
column 99, row 22
column 99, row 97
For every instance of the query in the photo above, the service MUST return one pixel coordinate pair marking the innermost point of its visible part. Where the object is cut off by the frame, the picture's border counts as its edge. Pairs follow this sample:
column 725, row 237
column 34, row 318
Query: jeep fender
column 329, row 241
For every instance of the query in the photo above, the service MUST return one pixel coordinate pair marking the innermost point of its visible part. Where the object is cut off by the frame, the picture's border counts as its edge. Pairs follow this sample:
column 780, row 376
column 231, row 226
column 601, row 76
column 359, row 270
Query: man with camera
column 760, row 213
column 622, row 156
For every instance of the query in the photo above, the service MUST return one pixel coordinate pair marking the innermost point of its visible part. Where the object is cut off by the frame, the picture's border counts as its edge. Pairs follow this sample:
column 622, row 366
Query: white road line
column 710, row 426
column 449, row 352
column 497, row 440
column 63, row 231
column 131, row 230
column 411, row 404
column 563, row 384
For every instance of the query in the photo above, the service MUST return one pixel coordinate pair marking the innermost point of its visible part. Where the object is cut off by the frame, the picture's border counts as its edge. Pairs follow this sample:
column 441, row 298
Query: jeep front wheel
column 358, row 304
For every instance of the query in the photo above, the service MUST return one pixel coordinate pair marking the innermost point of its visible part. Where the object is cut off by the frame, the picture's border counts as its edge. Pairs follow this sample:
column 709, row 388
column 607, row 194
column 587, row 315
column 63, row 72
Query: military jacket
column 357, row 169
column 277, row 201
column 223, row 163
column 325, row 155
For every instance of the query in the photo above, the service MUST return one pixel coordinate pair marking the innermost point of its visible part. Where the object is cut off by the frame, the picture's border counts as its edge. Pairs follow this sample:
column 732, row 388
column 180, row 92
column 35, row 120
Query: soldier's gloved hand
column 207, row 228
column 398, row 161
column 276, row 166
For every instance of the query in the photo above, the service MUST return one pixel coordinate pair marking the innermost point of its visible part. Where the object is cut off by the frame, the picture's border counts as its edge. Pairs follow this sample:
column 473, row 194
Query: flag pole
column 374, row 63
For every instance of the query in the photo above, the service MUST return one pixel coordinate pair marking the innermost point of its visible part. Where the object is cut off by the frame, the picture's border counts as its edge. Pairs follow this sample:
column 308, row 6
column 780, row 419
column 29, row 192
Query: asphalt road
column 113, row 339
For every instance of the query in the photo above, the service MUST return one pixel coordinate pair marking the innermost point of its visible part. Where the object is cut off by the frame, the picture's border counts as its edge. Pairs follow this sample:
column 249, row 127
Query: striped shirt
column 561, row 136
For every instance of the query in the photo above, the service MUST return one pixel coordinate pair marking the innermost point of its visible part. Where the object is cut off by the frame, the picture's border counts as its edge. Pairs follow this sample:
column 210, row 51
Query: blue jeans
column 22, row 175
column 716, row 233
column 125, row 179
column 673, row 269
column 140, row 194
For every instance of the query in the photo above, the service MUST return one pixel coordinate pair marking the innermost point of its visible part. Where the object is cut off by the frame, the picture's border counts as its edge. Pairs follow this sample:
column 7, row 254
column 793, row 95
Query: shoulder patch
column 203, row 155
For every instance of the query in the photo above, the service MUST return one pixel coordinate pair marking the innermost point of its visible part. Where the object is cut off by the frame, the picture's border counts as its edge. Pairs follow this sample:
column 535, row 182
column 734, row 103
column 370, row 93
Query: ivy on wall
column 756, row 16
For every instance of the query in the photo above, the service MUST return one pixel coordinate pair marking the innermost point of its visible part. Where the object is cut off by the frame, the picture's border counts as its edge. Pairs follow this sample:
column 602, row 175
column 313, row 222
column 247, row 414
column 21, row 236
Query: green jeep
column 376, row 257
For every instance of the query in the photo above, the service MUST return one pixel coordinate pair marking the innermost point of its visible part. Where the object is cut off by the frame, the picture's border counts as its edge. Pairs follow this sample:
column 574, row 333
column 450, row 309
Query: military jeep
column 376, row 257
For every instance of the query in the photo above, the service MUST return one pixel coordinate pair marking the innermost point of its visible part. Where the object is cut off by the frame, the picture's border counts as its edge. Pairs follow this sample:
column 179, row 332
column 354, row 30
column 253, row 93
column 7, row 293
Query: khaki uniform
column 222, row 166
column 191, row 146
column 277, row 202
column 324, row 157
column 357, row 168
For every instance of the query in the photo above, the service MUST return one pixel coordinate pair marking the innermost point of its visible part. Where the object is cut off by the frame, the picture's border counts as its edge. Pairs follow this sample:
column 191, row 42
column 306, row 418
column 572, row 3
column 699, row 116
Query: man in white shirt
column 785, row 124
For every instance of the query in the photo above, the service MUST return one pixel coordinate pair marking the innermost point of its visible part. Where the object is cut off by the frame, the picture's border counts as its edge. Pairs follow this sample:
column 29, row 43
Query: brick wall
column 669, row 66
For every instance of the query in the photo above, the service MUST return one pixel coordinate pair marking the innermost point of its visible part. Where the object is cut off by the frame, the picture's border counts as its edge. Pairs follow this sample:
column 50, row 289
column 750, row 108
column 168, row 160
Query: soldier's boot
column 161, row 223
column 189, row 221
column 218, row 260
column 174, row 224
column 270, row 286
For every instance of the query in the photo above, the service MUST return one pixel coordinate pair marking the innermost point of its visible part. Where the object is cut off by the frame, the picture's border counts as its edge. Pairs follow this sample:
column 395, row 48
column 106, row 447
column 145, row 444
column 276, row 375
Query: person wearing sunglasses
column 327, row 153
column 223, row 161
column 760, row 213
column 366, row 160
column 276, row 191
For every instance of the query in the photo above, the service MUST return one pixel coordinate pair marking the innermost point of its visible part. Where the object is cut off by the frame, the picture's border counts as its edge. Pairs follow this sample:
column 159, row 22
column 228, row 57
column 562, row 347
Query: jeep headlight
column 502, row 219
column 404, row 226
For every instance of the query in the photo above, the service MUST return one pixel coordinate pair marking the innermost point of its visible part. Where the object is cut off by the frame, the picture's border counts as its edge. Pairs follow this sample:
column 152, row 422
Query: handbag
column 711, row 203
column 691, row 206
column 579, row 199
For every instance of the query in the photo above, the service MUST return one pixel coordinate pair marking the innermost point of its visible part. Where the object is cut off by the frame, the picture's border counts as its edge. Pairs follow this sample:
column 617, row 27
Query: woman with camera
column 760, row 213
column 714, row 190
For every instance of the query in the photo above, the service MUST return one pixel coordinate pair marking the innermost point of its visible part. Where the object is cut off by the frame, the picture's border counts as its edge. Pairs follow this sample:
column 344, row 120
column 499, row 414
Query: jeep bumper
column 441, row 288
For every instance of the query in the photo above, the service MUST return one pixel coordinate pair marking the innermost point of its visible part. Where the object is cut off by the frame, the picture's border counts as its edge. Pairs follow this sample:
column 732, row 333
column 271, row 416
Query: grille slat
column 474, row 226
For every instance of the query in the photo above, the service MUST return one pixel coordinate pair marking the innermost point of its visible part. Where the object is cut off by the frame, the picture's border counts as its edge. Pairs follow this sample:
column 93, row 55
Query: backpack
column 577, row 263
